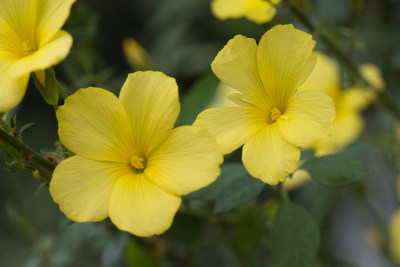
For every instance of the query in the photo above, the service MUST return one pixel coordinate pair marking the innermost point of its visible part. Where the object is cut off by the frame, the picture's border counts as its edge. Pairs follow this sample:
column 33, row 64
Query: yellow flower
column 394, row 234
column 130, row 164
column 348, row 124
column 272, row 119
column 259, row 11
column 136, row 55
column 30, row 40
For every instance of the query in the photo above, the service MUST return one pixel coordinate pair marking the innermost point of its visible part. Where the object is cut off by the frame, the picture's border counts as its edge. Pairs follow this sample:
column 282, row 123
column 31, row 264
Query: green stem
column 349, row 66
column 44, row 166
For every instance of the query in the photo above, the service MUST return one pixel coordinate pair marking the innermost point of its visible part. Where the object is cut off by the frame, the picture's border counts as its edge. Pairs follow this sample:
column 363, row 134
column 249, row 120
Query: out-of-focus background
column 182, row 38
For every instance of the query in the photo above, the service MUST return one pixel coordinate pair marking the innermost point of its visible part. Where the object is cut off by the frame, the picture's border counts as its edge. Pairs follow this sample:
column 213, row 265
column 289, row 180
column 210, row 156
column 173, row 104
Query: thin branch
column 44, row 166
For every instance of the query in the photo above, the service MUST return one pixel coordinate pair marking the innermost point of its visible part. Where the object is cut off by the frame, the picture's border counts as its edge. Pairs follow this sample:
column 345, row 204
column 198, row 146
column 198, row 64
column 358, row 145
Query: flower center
column 27, row 49
column 138, row 163
column 275, row 114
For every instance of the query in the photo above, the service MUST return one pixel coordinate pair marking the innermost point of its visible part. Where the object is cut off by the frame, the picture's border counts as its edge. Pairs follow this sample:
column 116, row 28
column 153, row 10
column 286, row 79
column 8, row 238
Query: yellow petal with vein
column 11, row 90
column 186, row 161
column 93, row 124
column 269, row 157
column 231, row 126
column 140, row 207
column 20, row 17
column 52, row 15
column 48, row 55
column 236, row 66
column 152, row 104
column 82, row 187
column 308, row 117
column 285, row 59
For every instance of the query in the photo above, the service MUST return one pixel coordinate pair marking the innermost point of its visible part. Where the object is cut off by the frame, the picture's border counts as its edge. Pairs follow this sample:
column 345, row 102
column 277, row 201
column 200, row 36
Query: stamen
column 137, row 163
column 27, row 49
column 275, row 113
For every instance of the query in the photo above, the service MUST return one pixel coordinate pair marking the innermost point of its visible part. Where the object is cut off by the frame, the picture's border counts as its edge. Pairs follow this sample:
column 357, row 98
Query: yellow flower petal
column 140, row 207
column 151, row 101
column 236, row 66
column 355, row 99
column 261, row 11
column 48, row 55
column 93, row 124
column 285, row 59
column 231, row 126
column 308, row 117
column 394, row 234
column 52, row 15
column 20, row 17
column 83, row 187
column 269, row 157
column 224, row 9
column 11, row 90
column 373, row 75
column 299, row 178
column 136, row 55
column 325, row 77
column 186, row 161
column 346, row 128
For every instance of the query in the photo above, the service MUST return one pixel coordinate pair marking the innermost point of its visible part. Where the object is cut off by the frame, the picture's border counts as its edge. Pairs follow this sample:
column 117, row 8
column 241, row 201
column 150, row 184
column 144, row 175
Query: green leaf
column 294, row 239
column 233, row 188
column 50, row 90
column 336, row 170
column 197, row 99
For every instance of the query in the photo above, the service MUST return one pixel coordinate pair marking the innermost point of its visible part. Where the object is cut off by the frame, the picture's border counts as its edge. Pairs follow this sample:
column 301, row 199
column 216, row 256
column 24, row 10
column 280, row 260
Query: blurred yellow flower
column 136, row 55
column 271, row 119
column 30, row 40
column 348, row 124
column 394, row 234
column 259, row 11
column 130, row 164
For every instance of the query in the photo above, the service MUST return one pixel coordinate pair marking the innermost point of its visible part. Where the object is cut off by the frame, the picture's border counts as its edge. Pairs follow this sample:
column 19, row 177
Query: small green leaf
column 233, row 188
column 50, row 90
column 294, row 239
column 13, row 122
column 336, row 170
column 23, row 128
column 197, row 99
column 13, row 166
